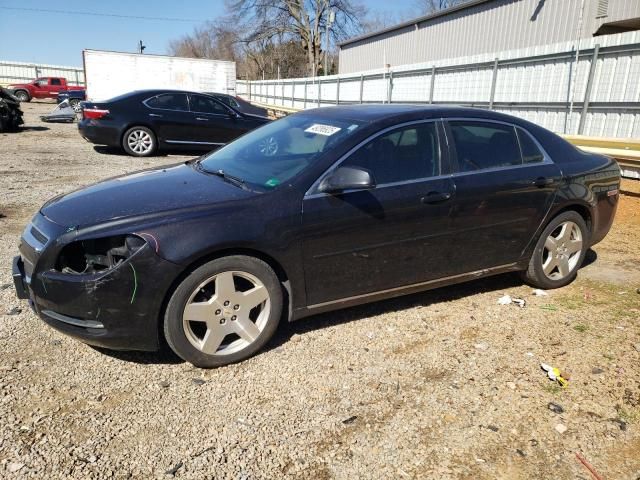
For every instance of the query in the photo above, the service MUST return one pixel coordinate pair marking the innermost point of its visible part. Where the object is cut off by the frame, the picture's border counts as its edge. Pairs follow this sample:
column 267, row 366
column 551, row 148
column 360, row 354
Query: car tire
column 22, row 96
column 224, row 311
column 559, row 252
column 75, row 104
column 139, row 142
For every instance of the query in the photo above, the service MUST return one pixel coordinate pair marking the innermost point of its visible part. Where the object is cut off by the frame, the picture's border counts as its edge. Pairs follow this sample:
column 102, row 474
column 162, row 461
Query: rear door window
column 484, row 145
column 56, row 81
column 169, row 101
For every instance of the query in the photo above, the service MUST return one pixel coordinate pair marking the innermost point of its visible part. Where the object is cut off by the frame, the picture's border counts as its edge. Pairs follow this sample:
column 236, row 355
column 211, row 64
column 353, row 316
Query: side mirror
column 347, row 178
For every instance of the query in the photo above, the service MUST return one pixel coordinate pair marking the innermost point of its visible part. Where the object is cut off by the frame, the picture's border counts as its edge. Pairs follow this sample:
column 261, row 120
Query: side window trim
column 313, row 193
column 144, row 102
column 453, row 161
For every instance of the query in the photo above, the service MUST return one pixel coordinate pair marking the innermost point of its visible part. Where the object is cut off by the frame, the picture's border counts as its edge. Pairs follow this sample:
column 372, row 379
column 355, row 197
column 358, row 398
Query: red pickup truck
column 44, row 87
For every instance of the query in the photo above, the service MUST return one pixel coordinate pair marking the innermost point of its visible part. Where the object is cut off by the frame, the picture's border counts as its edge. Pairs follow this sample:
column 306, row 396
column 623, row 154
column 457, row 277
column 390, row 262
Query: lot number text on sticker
column 320, row 129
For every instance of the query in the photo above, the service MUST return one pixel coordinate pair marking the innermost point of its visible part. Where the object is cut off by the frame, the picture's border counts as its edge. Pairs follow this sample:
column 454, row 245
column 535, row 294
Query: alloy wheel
column 226, row 313
column 140, row 142
column 76, row 107
column 268, row 147
column 562, row 250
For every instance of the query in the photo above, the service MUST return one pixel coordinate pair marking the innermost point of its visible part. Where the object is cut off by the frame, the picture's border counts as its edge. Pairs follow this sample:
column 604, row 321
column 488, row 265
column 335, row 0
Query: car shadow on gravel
column 105, row 150
column 422, row 299
column 28, row 129
column 165, row 356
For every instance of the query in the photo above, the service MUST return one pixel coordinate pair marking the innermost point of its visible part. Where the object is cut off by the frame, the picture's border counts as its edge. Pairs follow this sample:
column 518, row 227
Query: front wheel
column 223, row 312
column 559, row 252
column 22, row 96
column 139, row 142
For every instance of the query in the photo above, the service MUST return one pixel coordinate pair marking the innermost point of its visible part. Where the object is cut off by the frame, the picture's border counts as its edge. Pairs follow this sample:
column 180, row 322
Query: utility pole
column 141, row 47
column 330, row 20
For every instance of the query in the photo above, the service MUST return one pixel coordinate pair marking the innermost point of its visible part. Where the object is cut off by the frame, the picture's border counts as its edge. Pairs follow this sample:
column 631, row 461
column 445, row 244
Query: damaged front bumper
column 117, row 308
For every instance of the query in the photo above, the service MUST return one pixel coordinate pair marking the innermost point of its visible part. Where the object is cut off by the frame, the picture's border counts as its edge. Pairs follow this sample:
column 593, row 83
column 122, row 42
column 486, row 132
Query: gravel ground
column 443, row 384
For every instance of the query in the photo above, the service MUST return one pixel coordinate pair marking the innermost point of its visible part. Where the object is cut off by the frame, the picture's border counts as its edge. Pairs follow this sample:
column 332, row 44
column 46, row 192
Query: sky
column 30, row 34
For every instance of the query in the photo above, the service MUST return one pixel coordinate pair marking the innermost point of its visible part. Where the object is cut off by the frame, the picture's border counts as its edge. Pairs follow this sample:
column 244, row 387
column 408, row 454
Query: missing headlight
column 98, row 254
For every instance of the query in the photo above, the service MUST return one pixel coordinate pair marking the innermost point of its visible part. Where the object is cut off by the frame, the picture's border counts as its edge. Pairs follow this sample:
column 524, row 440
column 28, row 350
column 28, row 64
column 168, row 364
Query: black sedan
column 142, row 122
column 317, row 211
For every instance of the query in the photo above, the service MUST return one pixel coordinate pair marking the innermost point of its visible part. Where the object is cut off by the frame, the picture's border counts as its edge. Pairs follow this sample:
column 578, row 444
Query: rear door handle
column 435, row 197
column 202, row 119
column 155, row 115
column 543, row 182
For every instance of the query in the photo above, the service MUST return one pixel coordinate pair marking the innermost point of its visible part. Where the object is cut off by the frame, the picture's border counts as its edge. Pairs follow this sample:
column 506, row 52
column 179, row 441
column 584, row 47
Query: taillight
column 94, row 113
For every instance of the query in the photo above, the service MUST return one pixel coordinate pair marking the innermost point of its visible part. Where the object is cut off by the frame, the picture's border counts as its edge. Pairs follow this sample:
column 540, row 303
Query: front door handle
column 155, row 115
column 202, row 119
column 435, row 197
column 543, row 182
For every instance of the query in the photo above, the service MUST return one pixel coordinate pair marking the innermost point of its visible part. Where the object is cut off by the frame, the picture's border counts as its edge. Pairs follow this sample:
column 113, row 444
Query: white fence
column 20, row 72
column 591, row 88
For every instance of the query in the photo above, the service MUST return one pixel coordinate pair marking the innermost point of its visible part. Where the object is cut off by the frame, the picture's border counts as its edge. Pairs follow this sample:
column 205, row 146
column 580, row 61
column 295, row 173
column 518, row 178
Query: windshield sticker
column 326, row 130
column 272, row 182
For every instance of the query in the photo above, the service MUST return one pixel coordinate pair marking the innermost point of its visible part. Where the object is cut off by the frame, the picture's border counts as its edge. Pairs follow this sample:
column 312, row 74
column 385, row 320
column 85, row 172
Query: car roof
column 383, row 112
column 157, row 91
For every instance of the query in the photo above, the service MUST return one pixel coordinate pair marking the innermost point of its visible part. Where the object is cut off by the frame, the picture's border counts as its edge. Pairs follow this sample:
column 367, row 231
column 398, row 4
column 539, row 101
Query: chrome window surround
column 313, row 193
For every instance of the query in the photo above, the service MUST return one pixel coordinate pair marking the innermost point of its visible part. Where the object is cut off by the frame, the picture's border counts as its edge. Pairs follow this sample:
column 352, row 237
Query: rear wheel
column 559, row 252
column 139, row 142
column 75, row 104
column 22, row 96
column 224, row 311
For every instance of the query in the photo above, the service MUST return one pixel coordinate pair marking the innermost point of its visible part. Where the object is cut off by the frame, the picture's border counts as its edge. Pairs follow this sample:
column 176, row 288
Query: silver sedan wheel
column 562, row 251
column 226, row 313
column 140, row 142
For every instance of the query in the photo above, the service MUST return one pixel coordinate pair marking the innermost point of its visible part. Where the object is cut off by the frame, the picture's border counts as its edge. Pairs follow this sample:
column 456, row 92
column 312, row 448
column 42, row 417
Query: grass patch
column 628, row 415
column 553, row 388
column 580, row 328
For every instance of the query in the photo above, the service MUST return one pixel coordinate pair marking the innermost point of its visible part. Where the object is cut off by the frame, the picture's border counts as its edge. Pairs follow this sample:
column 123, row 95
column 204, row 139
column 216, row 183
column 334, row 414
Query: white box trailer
column 109, row 74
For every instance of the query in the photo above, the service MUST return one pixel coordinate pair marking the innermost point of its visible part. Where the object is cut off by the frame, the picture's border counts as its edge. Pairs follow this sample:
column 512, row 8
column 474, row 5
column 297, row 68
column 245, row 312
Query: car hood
column 138, row 194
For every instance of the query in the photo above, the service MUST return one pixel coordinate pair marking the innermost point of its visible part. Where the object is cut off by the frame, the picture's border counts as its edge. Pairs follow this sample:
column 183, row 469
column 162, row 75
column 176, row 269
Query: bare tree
column 432, row 6
column 215, row 41
column 299, row 21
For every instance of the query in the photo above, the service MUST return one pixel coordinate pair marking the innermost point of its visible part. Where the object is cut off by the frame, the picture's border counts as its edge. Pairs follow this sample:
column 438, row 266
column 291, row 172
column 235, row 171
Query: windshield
column 276, row 152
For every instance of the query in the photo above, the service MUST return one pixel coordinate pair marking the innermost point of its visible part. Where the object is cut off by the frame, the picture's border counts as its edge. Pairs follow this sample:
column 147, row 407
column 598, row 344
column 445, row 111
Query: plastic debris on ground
column 555, row 374
column 506, row 300
column 63, row 113
column 540, row 293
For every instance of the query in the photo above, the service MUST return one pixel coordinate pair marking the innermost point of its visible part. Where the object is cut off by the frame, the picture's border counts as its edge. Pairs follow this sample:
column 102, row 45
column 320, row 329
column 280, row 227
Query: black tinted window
column 56, row 81
column 206, row 105
column 481, row 145
column 169, row 101
column 530, row 151
column 406, row 153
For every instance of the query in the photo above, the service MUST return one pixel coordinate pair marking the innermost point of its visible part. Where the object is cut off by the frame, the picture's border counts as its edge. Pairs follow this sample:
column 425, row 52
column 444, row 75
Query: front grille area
column 39, row 235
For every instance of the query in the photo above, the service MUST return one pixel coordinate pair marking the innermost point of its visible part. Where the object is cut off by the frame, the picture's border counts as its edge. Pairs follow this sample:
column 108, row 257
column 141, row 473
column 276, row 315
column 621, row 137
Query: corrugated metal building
column 484, row 26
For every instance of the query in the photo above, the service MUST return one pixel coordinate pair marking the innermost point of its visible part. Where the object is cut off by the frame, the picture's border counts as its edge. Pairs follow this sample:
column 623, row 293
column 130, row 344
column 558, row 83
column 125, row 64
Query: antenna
column 141, row 47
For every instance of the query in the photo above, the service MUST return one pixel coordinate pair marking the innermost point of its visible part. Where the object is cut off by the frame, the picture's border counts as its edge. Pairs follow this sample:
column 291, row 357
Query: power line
column 96, row 14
